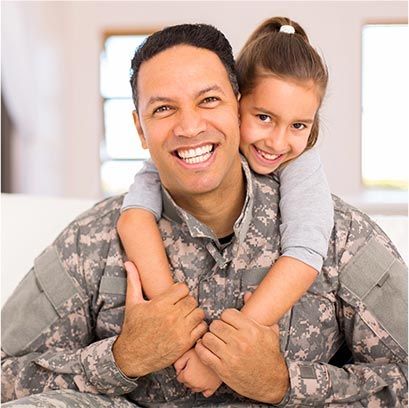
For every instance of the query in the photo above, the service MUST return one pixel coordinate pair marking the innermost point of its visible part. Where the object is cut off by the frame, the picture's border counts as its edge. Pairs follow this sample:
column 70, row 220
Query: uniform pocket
column 388, row 301
column 46, row 294
column 113, row 285
column 252, row 277
column 25, row 315
column 380, row 280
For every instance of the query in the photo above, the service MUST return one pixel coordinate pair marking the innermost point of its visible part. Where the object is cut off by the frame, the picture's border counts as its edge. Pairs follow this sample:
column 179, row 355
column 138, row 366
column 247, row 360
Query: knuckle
column 227, row 313
column 244, row 347
column 198, row 315
column 204, row 357
column 192, row 301
column 215, row 325
column 182, row 288
column 201, row 313
column 207, row 338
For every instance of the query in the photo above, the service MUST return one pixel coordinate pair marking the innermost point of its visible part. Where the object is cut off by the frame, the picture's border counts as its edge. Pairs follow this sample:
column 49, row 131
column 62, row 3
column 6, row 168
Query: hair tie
column 287, row 29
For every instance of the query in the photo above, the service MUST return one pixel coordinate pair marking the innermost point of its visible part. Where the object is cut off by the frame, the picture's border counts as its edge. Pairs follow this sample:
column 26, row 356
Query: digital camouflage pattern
column 67, row 344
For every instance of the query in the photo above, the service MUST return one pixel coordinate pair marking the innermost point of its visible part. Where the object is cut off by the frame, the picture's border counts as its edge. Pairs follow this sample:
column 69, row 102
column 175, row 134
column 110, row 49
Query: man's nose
column 277, row 139
column 190, row 123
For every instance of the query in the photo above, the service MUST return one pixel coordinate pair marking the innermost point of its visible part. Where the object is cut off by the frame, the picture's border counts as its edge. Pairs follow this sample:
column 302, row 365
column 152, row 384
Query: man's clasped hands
column 170, row 329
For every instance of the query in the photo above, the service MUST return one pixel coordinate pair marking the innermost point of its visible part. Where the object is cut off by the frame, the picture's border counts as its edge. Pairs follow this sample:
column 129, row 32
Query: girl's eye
column 299, row 126
column 264, row 118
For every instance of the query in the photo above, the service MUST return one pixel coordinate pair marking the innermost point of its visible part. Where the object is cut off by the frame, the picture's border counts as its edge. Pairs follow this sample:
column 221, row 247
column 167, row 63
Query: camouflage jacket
column 61, row 322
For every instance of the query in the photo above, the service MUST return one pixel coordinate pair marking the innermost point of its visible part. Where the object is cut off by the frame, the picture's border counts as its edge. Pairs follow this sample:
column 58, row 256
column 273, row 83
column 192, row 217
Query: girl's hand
column 195, row 375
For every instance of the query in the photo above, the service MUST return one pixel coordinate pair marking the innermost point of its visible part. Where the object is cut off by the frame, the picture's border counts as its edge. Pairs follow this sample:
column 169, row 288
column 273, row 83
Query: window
column 385, row 132
column 121, row 152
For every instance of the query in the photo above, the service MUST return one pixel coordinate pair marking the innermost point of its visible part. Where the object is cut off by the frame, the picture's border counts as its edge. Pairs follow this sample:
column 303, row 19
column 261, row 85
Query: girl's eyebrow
column 260, row 109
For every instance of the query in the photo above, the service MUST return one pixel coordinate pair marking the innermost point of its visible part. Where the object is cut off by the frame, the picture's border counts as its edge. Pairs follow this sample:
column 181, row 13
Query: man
column 60, row 329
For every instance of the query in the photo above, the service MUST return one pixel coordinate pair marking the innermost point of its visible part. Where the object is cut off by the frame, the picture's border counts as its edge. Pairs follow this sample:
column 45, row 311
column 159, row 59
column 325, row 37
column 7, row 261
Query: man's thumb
column 133, row 287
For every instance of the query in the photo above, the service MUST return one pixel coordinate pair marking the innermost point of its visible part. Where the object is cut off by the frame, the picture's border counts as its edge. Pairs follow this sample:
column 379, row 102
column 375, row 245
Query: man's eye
column 160, row 109
column 299, row 126
column 264, row 118
column 210, row 100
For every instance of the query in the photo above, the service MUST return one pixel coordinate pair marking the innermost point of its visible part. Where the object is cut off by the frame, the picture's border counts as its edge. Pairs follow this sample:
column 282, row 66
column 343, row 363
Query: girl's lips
column 267, row 158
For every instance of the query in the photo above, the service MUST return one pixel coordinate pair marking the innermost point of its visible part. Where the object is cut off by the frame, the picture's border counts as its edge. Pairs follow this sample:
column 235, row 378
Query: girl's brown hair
column 288, row 56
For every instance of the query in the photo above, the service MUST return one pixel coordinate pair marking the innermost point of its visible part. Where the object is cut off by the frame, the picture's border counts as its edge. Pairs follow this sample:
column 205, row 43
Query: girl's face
column 276, row 120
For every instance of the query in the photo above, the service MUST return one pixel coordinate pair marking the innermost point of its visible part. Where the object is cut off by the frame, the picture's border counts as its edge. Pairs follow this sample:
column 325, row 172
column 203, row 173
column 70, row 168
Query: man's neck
column 218, row 209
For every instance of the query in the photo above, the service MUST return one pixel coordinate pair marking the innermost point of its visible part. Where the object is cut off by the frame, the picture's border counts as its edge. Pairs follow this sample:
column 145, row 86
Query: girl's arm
column 286, row 281
column 306, row 223
column 139, row 233
column 143, row 245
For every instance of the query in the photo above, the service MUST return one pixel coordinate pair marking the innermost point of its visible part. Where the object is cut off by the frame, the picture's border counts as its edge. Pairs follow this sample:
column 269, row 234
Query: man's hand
column 246, row 356
column 156, row 333
column 192, row 373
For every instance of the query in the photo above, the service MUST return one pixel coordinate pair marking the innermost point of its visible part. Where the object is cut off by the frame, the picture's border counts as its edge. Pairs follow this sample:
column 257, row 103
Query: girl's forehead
column 284, row 98
column 264, row 78
column 269, row 83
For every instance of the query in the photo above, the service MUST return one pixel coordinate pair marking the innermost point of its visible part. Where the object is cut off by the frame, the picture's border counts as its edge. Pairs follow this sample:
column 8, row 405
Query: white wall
column 72, row 32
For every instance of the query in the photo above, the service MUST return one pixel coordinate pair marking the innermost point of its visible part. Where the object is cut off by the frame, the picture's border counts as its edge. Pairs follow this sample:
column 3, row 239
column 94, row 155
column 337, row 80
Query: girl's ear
column 139, row 129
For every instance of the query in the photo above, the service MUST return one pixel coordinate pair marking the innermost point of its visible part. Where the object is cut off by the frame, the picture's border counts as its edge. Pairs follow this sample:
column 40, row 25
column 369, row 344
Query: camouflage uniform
column 61, row 322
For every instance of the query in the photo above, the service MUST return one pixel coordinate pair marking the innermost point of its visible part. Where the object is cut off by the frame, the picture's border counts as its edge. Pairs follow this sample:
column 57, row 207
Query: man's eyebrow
column 260, row 109
column 164, row 99
column 154, row 99
column 209, row 89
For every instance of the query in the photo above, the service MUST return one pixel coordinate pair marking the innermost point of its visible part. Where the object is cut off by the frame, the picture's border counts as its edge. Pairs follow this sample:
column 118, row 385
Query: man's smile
column 196, row 155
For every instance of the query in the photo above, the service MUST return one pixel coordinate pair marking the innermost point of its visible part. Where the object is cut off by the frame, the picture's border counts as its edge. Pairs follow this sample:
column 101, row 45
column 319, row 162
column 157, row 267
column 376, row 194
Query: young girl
column 282, row 82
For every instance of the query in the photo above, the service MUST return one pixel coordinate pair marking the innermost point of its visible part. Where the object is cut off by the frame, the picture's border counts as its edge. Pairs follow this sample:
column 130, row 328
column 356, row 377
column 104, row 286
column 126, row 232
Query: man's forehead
column 184, row 68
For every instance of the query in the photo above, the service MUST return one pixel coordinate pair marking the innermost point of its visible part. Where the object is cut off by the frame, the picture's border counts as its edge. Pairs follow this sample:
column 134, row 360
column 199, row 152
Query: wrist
column 124, row 362
column 282, row 384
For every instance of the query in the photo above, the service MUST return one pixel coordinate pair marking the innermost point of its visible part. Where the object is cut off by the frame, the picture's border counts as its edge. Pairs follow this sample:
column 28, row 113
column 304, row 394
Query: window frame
column 376, row 188
column 104, row 157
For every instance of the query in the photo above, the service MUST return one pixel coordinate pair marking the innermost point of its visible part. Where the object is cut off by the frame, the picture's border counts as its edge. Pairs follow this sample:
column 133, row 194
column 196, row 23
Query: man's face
column 188, row 118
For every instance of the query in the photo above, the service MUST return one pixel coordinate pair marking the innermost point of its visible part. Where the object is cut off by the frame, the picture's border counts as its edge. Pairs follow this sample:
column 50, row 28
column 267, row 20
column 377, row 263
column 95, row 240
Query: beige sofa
column 30, row 223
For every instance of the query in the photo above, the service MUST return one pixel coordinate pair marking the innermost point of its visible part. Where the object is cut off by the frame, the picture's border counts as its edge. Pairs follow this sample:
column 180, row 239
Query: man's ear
column 139, row 129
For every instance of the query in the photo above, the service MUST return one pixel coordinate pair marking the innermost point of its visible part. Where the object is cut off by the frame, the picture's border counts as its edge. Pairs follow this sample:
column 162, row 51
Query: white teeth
column 197, row 155
column 198, row 159
column 268, row 156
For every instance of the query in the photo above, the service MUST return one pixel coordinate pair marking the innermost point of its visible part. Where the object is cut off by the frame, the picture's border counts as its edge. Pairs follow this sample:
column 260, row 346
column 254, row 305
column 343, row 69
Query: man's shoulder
column 355, row 232
column 348, row 213
column 93, row 227
column 265, row 186
column 356, row 223
column 107, row 209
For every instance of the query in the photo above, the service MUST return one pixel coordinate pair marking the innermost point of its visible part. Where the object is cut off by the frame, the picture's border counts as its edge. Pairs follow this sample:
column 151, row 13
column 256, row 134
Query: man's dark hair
column 196, row 35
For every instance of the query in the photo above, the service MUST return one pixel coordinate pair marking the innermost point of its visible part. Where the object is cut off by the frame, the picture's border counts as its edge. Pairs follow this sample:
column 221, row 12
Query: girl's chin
column 263, row 170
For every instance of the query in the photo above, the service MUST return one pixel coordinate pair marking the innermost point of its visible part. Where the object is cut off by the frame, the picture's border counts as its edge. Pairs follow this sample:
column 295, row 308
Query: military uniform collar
column 173, row 212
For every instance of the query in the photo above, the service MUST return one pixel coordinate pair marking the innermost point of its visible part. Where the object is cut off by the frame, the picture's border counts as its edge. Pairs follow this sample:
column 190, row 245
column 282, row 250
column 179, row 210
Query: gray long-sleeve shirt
column 306, row 206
